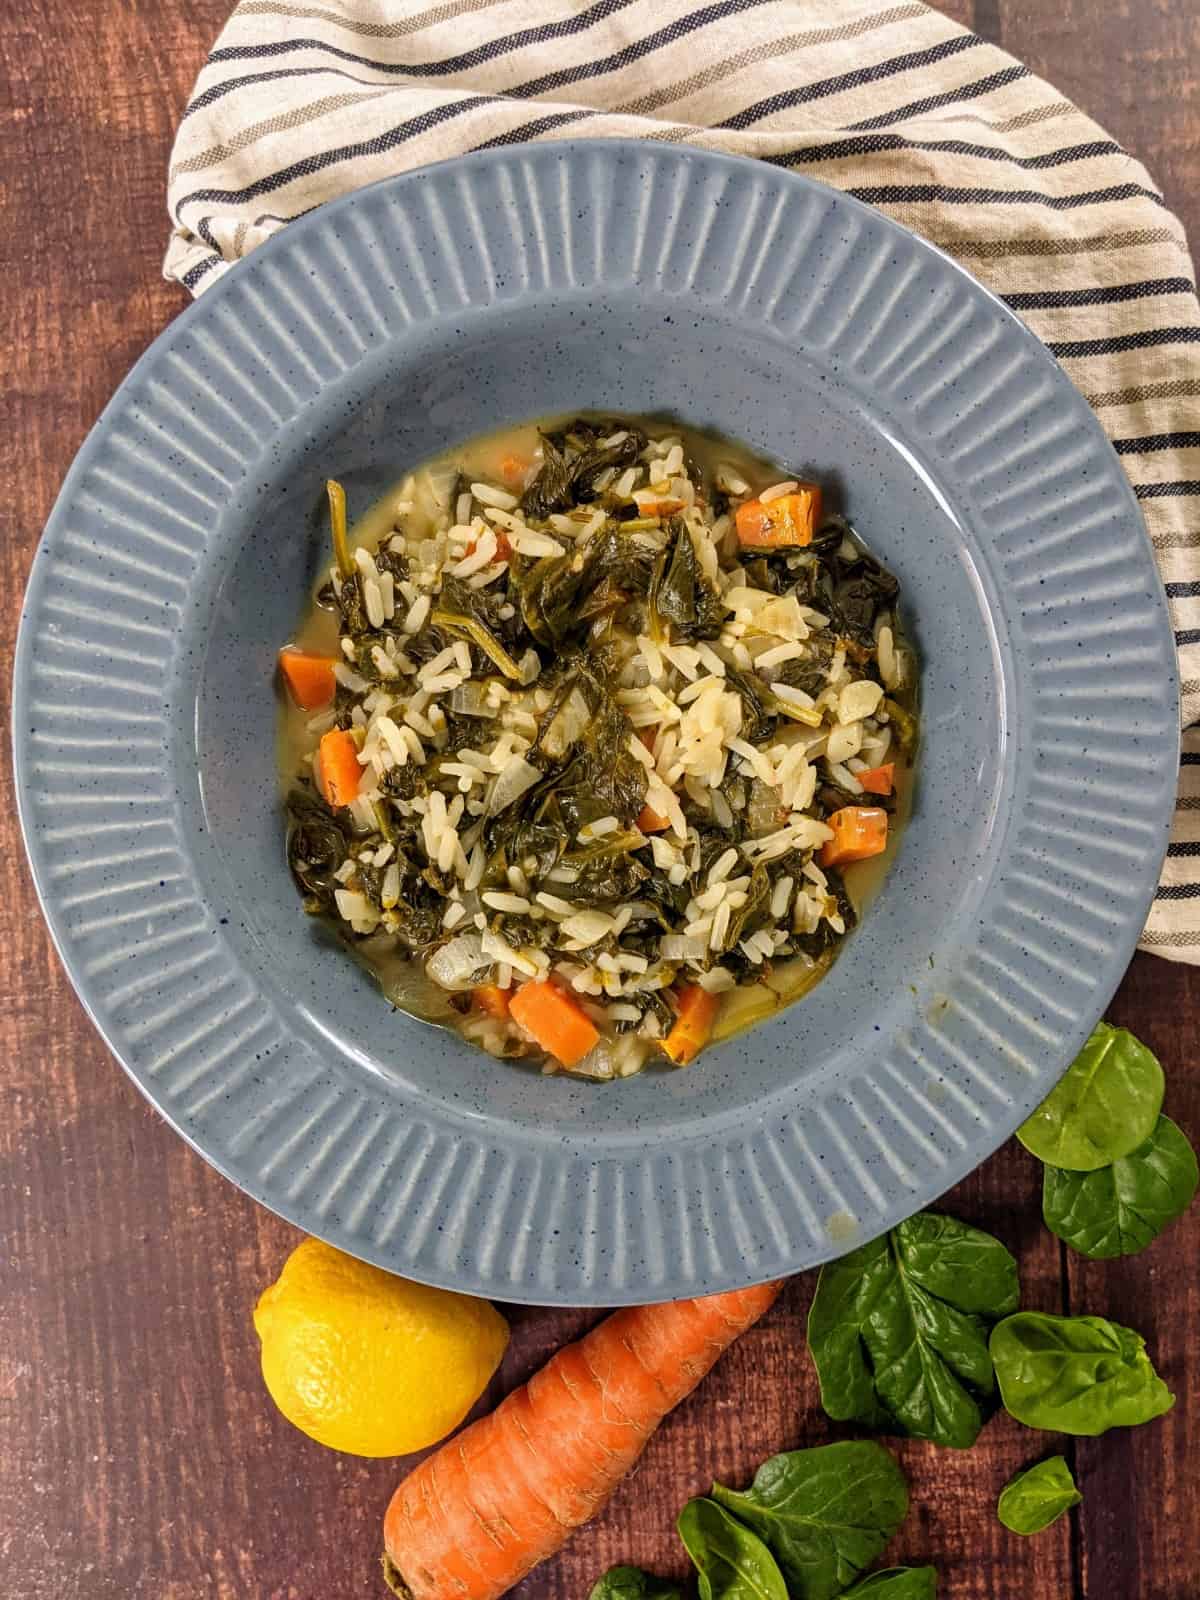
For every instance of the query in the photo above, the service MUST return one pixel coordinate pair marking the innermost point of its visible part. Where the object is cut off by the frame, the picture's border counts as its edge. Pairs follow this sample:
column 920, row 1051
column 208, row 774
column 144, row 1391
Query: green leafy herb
column 1104, row 1106
column 825, row 1514
column 631, row 1583
column 1119, row 1210
column 1079, row 1375
column 898, row 1329
column 732, row 1562
column 897, row 1583
column 1038, row 1496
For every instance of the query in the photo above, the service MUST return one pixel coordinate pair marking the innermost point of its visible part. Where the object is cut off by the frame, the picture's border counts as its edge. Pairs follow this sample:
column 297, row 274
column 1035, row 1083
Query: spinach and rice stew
column 581, row 734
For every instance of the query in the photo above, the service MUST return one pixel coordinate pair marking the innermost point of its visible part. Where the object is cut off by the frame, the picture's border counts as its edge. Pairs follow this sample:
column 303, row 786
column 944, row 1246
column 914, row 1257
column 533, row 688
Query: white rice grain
column 528, row 543
column 417, row 612
column 722, row 867
column 598, row 829
column 586, row 927
column 487, row 495
column 778, row 490
column 499, row 901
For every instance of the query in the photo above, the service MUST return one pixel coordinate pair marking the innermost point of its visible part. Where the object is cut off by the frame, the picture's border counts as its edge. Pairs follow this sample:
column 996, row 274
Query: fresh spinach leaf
column 1079, row 1375
column 897, row 1583
column 1119, row 1210
column 825, row 1514
column 1038, row 1496
column 732, row 1562
column 898, row 1329
column 631, row 1583
column 1103, row 1107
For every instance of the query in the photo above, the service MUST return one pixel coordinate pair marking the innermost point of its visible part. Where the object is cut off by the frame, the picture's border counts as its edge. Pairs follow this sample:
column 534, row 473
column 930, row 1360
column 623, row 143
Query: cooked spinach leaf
column 572, row 459
column 904, row 725
column 898, row 1329
column 583, row 742
column 562, row 595
column 852, row 592
column 1118, row 1210
column 1037, row 1497
column 755, row 716
column 897, row 1583
column 316, row 847
column 631, row 1583
column 732, row 1562
column 810, row 671
column 681, row 595
column 825, row 1514
column 1103, row 1107
column 1080, row 1375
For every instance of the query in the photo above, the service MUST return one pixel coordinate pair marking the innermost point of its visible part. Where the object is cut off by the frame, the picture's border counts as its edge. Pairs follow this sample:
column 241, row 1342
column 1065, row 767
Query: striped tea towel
column 301, row 100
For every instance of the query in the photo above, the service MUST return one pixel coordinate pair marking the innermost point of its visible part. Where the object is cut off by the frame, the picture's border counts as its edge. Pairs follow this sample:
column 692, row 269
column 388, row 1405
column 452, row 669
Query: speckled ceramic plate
column 644, row 278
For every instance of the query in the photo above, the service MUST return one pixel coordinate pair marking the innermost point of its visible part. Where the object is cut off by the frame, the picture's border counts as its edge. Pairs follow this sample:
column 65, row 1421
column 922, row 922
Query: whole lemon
column 367, row 1362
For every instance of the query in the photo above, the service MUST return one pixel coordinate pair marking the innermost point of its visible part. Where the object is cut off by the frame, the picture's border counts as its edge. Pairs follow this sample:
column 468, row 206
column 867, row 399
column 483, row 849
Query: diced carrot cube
column 491, row 998
column 858, row 832
column 649, row 821
column 788, row 520
column 340, row 769
column 556, row 1021
column 696, row 1011
column 878, row 780
column 309, row 678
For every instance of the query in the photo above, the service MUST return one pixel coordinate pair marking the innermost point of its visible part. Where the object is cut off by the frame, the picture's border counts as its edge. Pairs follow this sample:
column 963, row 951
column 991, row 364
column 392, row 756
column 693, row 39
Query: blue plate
column 549, row 278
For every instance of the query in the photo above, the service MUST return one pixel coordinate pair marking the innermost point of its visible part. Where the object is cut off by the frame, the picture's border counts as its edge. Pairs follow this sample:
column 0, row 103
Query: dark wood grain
column 139, row 1456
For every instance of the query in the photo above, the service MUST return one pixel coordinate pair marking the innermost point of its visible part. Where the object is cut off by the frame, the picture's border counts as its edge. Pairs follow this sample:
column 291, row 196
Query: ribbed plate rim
column 1121, row 943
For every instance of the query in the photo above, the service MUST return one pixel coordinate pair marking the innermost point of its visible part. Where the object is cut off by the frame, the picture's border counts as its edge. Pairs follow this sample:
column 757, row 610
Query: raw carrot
column 649, row 820
column 309, row 678
column 473, row 1518
column 878, row 780
column 557, row 1022
column 789, row 519
column 492, row 999
column 340, row 771
column 695, row 1013
column 858, row 832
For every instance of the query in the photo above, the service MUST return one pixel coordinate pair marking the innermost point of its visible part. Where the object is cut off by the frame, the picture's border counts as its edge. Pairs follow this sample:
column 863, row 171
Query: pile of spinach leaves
column 898, row 1329
column 1117, row 1171
column 918, row 1332
column 806, row 1529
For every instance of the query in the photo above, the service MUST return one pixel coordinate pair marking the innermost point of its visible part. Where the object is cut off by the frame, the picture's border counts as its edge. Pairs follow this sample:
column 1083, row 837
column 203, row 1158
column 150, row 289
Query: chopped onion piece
column 455, row 965
column 518, row 776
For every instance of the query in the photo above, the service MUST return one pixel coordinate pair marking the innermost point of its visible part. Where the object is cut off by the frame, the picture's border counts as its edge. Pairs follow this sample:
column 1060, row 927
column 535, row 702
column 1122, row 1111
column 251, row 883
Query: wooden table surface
column 139, row 1456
